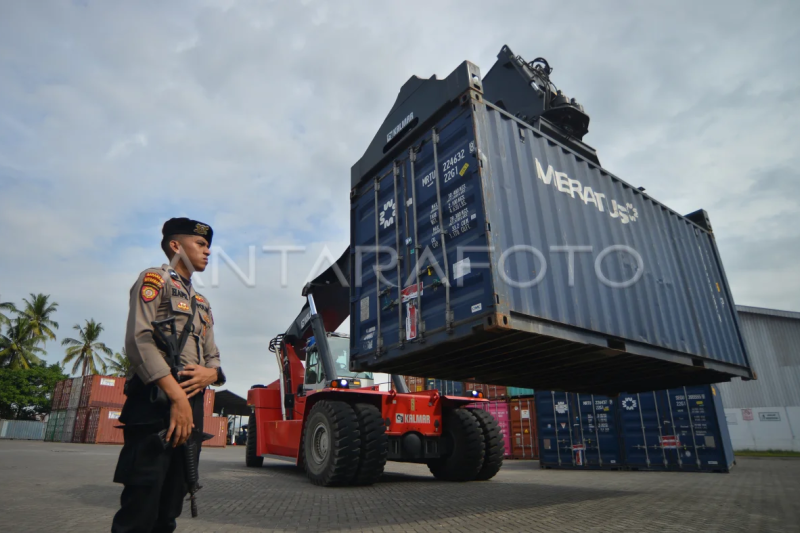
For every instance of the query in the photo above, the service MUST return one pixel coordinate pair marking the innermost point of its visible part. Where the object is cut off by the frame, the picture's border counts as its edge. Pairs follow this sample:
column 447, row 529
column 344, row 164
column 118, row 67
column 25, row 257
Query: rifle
column 173, row 347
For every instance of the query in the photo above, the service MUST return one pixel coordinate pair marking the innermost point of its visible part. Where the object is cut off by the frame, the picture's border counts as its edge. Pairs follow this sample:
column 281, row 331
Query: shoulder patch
column 151, row 278
column 149, row 293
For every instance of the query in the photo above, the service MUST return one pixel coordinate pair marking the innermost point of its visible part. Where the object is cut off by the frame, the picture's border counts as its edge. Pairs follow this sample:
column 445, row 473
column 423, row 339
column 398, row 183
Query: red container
column 500, row 412
column 217, row 426
column 524, row 444
column 56, row 398
column 414, row 384
column 66, row 388
column 102, row 391
column 490, row 392
column 81, row 423
column 101, row 428
column 208, row 403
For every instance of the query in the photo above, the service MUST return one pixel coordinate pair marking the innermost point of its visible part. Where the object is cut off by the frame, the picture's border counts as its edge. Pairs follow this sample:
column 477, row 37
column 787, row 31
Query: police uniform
column 152, row 475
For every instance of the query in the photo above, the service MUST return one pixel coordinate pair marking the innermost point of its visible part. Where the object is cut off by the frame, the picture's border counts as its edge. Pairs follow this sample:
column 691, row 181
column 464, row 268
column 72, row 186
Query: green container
column 58, row 431
column 519, row 392
column 51, row 426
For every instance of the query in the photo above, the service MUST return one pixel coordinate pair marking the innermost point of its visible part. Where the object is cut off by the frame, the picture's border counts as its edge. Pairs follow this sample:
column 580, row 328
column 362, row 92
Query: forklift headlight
column 477, row 394
column 340, row 384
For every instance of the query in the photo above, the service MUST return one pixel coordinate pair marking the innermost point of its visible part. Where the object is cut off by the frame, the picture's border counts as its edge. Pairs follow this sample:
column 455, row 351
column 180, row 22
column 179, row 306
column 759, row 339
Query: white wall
column 771, row 428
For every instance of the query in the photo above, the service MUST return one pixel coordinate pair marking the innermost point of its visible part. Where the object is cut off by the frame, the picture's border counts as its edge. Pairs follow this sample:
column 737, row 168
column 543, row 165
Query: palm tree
column 8, row 307
column 85, row 351
column 119, row 365
column 38, row 310
column 18, row 347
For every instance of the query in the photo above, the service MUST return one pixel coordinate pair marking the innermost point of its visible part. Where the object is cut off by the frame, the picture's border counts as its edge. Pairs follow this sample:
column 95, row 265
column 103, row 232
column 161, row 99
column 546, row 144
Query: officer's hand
column 180, row 422
column 201, row 377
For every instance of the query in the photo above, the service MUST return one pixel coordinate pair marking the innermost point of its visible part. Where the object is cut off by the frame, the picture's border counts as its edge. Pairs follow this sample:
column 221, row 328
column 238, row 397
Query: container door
column 644, row 435
column 563, row 426
column 431, row 287
column 524, row 440
column 599, row 432
column 697, row 429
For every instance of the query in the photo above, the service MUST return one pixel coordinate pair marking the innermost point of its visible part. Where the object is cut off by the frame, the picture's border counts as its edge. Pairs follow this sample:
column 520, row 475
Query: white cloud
column 115, row 117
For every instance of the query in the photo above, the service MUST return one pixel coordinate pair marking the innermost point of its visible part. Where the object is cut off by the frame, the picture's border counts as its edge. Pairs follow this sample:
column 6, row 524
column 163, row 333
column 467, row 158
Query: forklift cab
column 339, row 346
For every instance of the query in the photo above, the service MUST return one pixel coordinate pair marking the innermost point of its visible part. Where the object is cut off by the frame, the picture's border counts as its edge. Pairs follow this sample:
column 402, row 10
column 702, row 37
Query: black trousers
column 153, row 477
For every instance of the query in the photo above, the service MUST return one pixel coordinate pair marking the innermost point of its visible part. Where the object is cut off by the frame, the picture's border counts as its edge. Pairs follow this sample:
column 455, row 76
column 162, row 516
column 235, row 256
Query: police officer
column 151, row 467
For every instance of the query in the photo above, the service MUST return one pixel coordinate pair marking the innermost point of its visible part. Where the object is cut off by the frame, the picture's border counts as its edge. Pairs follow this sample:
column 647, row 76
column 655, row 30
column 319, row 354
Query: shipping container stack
column 680, row 429
column 100, row 405
column 72, row 409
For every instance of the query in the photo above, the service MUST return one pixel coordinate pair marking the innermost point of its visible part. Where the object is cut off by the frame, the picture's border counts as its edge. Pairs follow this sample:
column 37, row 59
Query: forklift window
column 314, row 371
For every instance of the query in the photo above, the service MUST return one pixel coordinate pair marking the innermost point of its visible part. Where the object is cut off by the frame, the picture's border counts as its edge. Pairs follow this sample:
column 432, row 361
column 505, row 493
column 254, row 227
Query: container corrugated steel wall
column 414, row 384
column 107, row 431
column 681, row 429
column 577, row 431
column 81, row 424
column 69, row 424
column 51, row 426
column 63, row 401
column 499, row 410
column 58, row 432
column 75, row 393
column 22, row 429
column 56, row 398
column 523, row 429
column 208, row 402
column 773, row 341
column 217, row 426
column 445, row 387
column 504, row 185
column 102, row 391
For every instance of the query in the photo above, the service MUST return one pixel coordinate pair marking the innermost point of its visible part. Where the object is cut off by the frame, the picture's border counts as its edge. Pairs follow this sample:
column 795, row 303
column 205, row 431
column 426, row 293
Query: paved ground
column 66, row 487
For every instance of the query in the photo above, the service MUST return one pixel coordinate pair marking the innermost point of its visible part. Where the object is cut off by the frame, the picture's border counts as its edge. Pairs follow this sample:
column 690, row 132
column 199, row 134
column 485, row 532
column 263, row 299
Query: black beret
column 186, row 226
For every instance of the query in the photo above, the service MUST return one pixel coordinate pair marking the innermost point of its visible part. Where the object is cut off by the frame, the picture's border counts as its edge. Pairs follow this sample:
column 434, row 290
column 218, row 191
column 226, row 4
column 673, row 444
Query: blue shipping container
column 448, row 388
column 681, row 429
column 676, row 429
column 462, row 219
column 577, row 431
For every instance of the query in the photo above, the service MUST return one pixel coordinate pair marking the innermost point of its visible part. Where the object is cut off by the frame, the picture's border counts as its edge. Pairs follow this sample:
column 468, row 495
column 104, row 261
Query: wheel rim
column 320, row 443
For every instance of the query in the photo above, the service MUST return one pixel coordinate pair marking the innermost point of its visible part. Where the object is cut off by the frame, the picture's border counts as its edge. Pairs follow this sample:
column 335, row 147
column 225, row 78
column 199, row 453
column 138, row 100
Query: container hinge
column 402, row 337
column 379, row 345
column 435, row 137
column 412, row 155
column 377, row 184
column 522, row 135
column 450, row 321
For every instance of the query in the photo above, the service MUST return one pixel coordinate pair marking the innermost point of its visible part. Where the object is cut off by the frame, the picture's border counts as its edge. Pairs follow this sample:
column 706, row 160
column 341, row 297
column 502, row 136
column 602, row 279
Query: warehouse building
column 764, row 414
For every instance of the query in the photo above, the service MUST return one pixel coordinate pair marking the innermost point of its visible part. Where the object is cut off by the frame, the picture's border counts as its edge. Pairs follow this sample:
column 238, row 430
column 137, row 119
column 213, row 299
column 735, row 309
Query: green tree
column 18, row 347
column 27, row 393
column 119, row 365
column 6, row 307
column 86, row 350
column 39, row 310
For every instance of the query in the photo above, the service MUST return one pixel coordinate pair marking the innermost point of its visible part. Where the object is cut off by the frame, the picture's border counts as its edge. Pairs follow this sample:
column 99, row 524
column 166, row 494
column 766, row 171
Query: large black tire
column 493, row 445
column 331, row 444
column 374, row 444
column 250, row 456
column 464, row 440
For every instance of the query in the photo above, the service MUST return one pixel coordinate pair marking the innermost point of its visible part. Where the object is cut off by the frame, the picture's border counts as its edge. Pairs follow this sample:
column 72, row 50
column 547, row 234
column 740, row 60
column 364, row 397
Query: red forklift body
column 414, row 412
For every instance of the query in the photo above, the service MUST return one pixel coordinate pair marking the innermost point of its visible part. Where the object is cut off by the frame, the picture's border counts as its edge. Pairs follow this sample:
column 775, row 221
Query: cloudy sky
column 248, row 115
